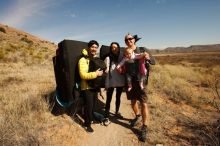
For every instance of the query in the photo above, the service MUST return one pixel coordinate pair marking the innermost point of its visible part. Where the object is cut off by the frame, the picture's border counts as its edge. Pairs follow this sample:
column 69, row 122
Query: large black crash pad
column 65, row 64
column 104, row 52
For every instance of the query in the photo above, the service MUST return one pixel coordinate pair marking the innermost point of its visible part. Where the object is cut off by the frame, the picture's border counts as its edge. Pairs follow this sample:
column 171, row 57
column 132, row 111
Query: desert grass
column 24, row 51
column 23, row 108
column 201, row 59
column 182, row 83
column 184, row 100
column 17, row 46
column 25, row 111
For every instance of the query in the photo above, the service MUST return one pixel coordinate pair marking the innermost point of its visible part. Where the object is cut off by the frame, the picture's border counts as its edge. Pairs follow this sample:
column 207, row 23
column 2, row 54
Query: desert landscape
column 184, row 99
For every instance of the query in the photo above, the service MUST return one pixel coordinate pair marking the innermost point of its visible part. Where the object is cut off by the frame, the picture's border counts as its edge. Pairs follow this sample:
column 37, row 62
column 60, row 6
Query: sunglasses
column 129, row 39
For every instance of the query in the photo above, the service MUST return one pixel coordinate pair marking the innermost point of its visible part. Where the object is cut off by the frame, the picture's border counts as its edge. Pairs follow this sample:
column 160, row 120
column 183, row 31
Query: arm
column 139, row 56
column 150, row 58
column 107, row 62
column 121, row 63
column 83, row 70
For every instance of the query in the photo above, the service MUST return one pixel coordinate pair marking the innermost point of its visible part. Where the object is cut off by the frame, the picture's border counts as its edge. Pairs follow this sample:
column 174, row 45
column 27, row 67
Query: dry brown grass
column 199, row 59
column 23, row 108
column 181, row 105
column 182, row 102
column 17, row 46
column 24, row 52
column 25, row 114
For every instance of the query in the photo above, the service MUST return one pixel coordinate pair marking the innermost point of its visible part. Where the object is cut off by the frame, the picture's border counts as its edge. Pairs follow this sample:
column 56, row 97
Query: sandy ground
column 118, row 132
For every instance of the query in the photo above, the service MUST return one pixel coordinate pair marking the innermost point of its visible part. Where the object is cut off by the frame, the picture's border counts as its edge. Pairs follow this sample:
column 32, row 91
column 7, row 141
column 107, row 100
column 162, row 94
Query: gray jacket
column 114, row 78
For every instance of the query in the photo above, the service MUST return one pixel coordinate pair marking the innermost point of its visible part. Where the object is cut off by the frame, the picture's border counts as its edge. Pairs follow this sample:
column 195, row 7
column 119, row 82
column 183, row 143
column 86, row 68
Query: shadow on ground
column 75, row 111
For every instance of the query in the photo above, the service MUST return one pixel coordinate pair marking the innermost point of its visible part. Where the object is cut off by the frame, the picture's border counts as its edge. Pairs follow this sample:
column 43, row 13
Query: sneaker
column 89, row 129
column 135, row 121
column 143, row 136
column 118, row 114
column 106, row 122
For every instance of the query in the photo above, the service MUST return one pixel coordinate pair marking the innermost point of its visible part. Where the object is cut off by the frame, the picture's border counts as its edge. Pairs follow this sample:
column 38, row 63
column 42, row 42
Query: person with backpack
column 114, row 79
column 136, row 93
column 88, row 93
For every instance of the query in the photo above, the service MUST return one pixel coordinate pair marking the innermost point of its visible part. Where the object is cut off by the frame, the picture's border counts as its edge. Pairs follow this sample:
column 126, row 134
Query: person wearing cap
column 136, row 93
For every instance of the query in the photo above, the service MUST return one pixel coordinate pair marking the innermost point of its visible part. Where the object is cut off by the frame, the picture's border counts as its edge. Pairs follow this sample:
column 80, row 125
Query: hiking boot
column 89, row 129
column 143, row 136
column 118, row 115
column 135, row 121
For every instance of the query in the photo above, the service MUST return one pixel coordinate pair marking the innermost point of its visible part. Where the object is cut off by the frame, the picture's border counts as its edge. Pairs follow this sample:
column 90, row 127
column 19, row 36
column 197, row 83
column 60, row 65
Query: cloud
column 22, row 10
column 161, row 1
column 73, row 15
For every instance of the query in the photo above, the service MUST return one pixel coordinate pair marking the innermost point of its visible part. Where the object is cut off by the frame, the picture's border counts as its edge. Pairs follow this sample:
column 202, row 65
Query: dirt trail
column 118, row 133
column 170, row 124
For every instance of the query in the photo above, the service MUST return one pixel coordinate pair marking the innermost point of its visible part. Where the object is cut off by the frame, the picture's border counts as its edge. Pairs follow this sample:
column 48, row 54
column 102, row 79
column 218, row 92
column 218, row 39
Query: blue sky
column 160, row 23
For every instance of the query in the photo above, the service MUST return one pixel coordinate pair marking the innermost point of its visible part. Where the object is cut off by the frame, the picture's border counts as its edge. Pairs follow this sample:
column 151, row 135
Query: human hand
column 99, row 72
column 146, row 56
column 106, row 71
column 119, row 69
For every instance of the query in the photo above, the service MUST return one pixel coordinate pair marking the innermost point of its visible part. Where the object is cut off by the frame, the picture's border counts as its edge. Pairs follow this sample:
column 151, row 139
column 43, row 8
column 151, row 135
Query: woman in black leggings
column 117, row 102
column 114, row 79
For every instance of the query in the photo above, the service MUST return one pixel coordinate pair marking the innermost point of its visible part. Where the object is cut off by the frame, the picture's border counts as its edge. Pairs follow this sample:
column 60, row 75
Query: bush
column 24, row 39
column 2, row 29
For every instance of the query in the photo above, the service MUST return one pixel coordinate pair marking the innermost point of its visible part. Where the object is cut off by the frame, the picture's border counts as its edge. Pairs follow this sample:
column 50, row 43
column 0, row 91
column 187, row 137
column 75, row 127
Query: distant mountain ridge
column 193, row 48
column 214, row 47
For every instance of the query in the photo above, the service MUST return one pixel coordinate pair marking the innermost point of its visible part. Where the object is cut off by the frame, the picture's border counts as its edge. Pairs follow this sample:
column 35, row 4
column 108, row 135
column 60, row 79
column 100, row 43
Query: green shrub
column 24, row 39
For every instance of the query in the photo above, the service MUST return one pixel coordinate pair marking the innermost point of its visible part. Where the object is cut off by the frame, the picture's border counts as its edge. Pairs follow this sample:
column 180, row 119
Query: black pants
column 109, row 99
column 90, row 97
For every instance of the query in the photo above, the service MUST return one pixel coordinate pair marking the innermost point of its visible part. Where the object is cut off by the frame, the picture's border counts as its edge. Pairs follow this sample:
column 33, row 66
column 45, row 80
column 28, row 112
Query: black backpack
column 94, row 64
column 65, row 63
